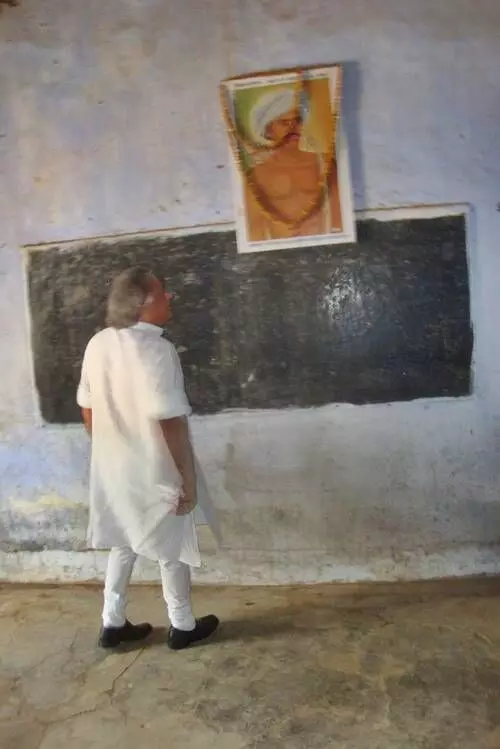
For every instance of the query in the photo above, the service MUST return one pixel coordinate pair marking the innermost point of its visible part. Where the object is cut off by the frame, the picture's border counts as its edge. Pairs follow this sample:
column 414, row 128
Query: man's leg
column 176, row 584
column 185, row 630
column 121, row 562
column 116, row 628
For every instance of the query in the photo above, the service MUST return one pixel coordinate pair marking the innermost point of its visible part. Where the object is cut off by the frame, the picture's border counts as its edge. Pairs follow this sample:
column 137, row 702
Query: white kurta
column 131, row 379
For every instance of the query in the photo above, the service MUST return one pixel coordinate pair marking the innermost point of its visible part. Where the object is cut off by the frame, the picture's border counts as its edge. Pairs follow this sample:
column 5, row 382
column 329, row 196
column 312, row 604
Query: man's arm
column 87, row 419
column 176, row 434
column 167, row 404
column 83, row 397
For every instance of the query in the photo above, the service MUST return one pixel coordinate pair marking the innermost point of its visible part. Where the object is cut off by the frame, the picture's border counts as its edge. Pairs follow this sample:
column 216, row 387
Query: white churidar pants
column 176, row 584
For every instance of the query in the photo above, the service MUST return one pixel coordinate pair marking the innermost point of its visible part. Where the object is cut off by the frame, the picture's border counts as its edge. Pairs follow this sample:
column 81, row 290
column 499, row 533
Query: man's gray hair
column 129, row 291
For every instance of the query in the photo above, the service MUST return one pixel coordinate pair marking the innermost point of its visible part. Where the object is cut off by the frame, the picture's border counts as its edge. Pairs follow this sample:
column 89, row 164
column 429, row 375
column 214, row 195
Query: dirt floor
column 376, row 666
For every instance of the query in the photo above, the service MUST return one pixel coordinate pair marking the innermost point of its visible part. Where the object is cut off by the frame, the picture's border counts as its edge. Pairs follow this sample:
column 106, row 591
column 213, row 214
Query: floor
column 347, row 667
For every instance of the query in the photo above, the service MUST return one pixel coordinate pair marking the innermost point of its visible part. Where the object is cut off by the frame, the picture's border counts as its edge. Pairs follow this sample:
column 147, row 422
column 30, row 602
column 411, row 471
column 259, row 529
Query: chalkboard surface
column 385, row 319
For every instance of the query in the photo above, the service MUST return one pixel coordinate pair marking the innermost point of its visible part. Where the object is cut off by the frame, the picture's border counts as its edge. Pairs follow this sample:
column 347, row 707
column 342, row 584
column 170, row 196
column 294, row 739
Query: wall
column 109, row 123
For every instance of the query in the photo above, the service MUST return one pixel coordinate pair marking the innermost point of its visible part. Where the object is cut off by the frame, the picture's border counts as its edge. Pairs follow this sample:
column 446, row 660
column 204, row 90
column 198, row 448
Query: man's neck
column 146, row 324
column 149, row 322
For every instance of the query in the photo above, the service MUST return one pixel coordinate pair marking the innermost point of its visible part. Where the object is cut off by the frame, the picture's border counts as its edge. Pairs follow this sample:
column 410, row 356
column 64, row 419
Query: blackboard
column 384, row 319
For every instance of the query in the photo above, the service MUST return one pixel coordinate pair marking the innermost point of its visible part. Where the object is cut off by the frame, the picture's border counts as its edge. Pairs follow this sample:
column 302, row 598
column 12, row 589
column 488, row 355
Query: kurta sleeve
column 83, row 393
column 166, row 397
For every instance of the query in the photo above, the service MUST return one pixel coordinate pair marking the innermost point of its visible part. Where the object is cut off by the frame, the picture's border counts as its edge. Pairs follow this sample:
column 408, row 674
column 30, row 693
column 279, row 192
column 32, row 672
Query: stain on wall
column 385, row 319
column 10, row 3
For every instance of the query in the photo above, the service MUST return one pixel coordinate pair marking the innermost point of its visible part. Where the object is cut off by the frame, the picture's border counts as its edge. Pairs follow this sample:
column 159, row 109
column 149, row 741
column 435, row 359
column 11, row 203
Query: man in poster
column 295, row 180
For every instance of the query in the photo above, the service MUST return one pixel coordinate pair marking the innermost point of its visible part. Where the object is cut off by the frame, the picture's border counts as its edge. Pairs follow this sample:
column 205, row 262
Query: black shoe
column 111, row 637
column 178, row 639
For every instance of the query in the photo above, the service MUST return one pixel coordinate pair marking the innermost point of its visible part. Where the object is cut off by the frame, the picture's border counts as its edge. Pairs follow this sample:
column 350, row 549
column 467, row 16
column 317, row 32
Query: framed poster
column 290, row 164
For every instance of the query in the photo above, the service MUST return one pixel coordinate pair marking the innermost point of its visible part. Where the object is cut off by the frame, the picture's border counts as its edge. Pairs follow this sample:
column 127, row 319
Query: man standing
column 143, row 477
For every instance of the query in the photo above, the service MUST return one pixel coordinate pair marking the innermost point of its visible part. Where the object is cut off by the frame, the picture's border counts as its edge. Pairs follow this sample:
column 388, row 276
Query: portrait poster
column 289, row 156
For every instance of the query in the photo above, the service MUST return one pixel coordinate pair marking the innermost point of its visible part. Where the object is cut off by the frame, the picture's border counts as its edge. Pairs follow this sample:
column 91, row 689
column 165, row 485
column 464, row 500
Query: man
column 292, row 178
column 143, row 477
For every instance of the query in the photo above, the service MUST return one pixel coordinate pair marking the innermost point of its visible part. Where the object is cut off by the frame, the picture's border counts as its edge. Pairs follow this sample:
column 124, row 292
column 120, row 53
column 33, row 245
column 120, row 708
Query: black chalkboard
column 385, row 319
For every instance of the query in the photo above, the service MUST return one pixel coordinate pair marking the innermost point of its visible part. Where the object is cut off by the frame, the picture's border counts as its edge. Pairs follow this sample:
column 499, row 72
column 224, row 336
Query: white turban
column 269, row 108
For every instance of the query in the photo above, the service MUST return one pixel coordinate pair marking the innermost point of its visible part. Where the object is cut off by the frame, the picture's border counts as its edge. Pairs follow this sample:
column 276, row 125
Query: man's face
column 286, row 128
column 160, row 309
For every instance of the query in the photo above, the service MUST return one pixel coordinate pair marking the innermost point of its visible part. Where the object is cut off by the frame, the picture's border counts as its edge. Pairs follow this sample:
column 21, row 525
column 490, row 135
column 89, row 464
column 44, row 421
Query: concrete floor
column 353, row 667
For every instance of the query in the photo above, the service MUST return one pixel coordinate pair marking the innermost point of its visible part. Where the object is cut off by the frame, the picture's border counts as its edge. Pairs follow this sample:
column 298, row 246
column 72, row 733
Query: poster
column 289, row 157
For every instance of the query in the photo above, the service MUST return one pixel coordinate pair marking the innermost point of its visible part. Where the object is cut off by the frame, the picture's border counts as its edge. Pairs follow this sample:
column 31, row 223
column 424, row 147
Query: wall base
column 257, row 568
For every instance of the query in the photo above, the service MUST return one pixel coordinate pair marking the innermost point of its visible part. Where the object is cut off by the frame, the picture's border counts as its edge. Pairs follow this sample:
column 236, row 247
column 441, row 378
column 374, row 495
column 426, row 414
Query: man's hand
column 186, row 505
column 87, row 419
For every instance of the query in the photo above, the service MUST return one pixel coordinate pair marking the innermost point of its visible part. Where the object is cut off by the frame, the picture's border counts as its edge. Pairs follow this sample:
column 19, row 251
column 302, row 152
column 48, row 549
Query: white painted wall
column 109, row 123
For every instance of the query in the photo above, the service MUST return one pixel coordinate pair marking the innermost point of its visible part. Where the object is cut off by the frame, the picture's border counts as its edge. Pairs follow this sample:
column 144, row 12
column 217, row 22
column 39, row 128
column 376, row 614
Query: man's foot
column 111, row 637
column 178, row 639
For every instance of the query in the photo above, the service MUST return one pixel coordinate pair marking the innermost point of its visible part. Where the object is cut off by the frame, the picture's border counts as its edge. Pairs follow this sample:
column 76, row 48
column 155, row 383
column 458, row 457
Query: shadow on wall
column 10, row 3
column 361, row 532
column 355, row 532
column 351, row 104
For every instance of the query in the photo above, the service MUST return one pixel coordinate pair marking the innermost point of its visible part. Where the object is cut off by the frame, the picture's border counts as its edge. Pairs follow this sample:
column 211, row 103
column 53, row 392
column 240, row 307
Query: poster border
column 348, row 235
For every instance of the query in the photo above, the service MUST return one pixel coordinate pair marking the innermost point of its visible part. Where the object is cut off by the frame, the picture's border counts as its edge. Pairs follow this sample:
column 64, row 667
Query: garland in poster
column 242, row 146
